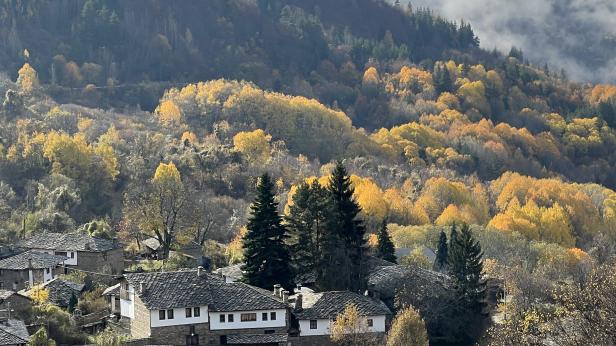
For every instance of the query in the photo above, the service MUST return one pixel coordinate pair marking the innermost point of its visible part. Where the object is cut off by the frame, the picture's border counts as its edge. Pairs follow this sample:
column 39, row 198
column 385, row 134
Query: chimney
column 277, row 290
column 141, row 287
column 29, row 262
column 199, row 270
column 285, row 296
column 298, row 302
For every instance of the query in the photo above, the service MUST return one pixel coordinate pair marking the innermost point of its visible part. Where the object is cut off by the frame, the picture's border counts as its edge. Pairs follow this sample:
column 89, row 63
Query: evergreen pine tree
column 346, row 222
column 385, row 247
column 442, row 79
column 307, row 220
column 440, row 263
column 466, row 267
column 266, row 255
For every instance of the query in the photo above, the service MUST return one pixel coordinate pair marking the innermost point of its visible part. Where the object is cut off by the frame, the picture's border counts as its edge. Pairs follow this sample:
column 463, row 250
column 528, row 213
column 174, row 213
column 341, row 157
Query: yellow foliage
column 412, row 77
column 474, row 96
column 255, row 145
column 169, row 113
column 189, row 137
column 602, row 93
column 27, row 79
column 371, row 76
column 166, row 174
column 235, row 249
column 450, row 100
column 39, row 295
column 373, row 240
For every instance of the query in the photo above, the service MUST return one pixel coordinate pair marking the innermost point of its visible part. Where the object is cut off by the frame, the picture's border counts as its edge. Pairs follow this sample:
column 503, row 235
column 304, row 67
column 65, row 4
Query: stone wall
column 20, row 306
column 97, row 261
column 176, row 335
column 140, row 325
column 8, row 277
column 214, row 338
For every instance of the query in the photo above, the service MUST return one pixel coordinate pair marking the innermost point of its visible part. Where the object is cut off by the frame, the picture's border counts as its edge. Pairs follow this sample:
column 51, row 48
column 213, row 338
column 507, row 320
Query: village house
column 14, row 304
column 60, row 291
column 28, row 269
column 316, row 311
column 13, row 332
column 193, row 307
column 83, row 251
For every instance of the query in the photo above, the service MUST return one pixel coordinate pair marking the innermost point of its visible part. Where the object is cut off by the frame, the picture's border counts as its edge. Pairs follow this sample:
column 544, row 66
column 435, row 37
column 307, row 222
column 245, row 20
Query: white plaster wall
column 215, row 324
column 323, row 326
column 127, row 307
column 47, row 277
column 70, row 261
column 179, row 318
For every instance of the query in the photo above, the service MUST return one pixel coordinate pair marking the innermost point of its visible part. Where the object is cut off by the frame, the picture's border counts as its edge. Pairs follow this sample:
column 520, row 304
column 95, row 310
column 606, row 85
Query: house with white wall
column 193, row 307
column 82, row 251
column 316, row 311
column 28, row 269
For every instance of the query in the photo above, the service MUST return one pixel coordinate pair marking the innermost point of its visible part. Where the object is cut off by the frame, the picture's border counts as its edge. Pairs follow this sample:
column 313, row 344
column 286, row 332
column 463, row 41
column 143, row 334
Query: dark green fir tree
column 440, row 262
column 466, row 268
column 266, row 255
column 385, row 247
column 348, row 225
column 72, row 303
column 307, row 221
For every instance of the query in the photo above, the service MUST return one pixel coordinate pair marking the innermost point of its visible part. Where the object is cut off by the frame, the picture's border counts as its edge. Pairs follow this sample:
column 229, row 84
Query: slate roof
column 4, row 294
column 252, row 339
column 238, row 296
column 13, row 332
column 37, row 260
column 60, row 291
column 233, row 271
column 68, row 242
column 168, row 290
column 328, row 305
column 151, row 243
column 388, row 279
column 112, row 290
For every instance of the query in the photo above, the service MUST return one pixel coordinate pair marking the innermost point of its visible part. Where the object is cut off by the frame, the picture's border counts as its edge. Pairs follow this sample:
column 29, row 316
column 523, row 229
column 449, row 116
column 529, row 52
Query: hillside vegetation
column 434, row 130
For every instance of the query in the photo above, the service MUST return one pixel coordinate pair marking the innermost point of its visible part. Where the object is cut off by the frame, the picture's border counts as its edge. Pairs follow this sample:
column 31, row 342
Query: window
column 191, row 330
column 313, row 324
column 72, row 255
column 197, row 312
column 188, row 312
column 230, row 318
column 170, row 314
column 273, row 315
column 161, row 314
column 222, row 318
column 269, row 331
column 248, row 317
column 370, row 322
column 223, row 340
column 264, row 316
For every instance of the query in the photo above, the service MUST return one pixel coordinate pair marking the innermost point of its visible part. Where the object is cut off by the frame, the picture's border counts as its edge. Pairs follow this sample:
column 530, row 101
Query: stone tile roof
column 388, row 279
column 233, row 271
column 252, row 339
column 151, row 243
column 13, row 332
column 60, row 291
column 4, row 294
column 185, row 289
column 33, row 259
column 167, row 290
column 68, row 242
column 112, row 290
column 327, row 305
column 238, row 296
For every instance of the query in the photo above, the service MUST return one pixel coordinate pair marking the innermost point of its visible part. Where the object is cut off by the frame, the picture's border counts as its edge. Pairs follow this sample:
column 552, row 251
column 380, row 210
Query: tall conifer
column 385, row 247
column 266, row 254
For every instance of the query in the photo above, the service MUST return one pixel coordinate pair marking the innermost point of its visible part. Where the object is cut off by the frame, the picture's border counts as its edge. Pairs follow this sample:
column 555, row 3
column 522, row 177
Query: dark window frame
column 188, row 312
column 313, row 324
column 264, row 316
column 370, row 322
column 231, row 318
column 170, row 314
column 162, row 314
column 273, row 315
column 221, row 318
column 248, row 317
column 197, row 312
